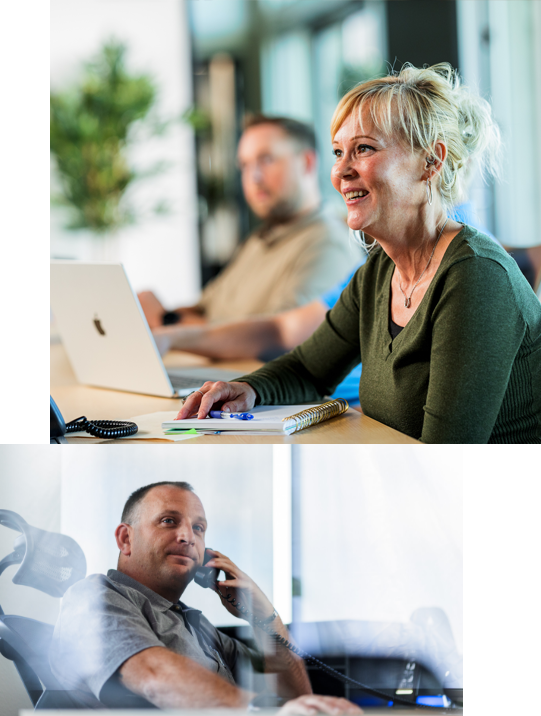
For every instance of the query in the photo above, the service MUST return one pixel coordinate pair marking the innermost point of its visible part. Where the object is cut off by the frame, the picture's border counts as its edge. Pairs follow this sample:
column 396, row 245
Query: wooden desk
column 75, row 400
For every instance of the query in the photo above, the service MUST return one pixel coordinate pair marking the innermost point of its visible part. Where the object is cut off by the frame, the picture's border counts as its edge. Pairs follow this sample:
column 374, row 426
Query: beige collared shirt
column 281, row 268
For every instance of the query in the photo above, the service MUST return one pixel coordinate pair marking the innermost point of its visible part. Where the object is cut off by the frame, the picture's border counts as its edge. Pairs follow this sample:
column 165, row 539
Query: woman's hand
column 230, row 397
column 314, row 704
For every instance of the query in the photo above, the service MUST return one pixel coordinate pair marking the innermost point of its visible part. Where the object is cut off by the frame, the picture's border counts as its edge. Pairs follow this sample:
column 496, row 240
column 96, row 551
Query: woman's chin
column 356, row 225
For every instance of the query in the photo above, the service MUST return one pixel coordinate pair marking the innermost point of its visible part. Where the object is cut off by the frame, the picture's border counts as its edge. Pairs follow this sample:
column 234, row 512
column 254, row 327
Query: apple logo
column 98, row 325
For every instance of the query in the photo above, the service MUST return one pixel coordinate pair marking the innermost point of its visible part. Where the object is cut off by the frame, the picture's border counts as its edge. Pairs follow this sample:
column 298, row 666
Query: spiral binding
column 102, row 428
column 317, row 414
column 255, row 621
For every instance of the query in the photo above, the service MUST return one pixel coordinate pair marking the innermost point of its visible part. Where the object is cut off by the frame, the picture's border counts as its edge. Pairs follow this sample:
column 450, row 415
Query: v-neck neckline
column 389, row 340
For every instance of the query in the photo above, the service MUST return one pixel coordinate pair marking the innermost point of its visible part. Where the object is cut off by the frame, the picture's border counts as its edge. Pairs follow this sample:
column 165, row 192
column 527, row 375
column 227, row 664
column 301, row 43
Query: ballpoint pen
column 237, row 416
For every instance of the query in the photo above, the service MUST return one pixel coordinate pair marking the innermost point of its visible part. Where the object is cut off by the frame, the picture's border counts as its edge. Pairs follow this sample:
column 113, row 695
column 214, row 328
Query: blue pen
column 237, row 416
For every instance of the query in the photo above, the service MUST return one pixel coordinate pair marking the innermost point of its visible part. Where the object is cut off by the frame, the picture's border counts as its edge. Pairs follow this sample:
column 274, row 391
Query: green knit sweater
column 465, row 369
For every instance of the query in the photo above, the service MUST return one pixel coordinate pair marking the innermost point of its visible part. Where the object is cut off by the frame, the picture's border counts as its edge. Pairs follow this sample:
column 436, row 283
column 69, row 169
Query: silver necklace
column 407, row 299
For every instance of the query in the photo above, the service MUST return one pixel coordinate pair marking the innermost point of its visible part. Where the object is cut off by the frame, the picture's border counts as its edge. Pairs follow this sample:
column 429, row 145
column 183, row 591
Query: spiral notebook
column 286, row 419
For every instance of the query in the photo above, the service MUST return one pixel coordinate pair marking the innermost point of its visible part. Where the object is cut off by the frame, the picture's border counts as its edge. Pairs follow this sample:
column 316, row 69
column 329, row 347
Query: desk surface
column 75, row 400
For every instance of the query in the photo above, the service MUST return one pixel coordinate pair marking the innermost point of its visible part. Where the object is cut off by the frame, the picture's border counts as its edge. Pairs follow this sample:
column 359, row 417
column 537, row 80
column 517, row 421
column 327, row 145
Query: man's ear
column 310, row 161
column 123, row 539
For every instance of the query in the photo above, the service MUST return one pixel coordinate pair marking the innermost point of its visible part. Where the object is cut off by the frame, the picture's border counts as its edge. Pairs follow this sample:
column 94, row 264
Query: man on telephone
column 127, row 639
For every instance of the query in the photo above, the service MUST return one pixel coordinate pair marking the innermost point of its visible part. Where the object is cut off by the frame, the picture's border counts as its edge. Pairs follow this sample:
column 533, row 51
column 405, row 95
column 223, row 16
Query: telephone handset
column 208, row 576
column 97, row 428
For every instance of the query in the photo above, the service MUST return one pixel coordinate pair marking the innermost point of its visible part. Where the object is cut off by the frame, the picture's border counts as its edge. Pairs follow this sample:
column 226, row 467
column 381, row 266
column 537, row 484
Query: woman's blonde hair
column 425, row 106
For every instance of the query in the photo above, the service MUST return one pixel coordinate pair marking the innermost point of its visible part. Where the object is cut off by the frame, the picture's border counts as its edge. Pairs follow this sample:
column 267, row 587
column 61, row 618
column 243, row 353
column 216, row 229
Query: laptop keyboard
column 182, row 382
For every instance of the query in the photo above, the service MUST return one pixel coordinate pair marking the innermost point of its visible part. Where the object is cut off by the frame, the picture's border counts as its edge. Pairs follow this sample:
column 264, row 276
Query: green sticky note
column 175, row 431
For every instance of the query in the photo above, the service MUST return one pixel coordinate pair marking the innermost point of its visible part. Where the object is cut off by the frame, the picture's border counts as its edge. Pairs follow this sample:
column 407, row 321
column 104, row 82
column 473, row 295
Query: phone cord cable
column 102, row 428
column 252, row 619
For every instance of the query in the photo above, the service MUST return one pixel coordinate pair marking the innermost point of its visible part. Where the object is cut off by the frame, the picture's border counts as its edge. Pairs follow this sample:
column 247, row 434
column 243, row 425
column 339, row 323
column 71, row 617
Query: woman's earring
column 429, row 192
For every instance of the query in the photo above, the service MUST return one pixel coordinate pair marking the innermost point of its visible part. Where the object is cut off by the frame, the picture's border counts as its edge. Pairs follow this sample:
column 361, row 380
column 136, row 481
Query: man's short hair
column 129, row 513
column 302, row 133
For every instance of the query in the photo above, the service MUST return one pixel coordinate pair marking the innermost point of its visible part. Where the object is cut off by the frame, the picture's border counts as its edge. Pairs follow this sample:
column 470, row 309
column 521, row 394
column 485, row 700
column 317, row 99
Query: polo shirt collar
column 158, row 602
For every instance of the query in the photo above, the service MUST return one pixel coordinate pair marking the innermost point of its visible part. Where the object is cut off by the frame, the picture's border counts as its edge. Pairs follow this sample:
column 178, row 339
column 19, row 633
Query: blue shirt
column 349, row 387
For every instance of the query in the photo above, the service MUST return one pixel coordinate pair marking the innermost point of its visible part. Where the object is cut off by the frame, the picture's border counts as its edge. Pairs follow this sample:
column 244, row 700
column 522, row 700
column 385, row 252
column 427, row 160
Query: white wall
column 160, row 253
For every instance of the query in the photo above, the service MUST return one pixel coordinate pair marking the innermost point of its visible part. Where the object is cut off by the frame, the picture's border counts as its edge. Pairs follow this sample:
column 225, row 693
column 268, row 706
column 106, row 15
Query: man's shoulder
column 327, row 226
column 317, row 226
column 99, row 587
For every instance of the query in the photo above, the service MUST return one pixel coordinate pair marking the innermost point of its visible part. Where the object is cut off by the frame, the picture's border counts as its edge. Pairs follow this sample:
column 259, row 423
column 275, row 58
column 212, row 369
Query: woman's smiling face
column 380, row 179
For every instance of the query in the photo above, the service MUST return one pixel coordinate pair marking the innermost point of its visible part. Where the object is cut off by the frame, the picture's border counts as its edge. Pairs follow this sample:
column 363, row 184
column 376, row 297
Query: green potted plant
column 92, row 125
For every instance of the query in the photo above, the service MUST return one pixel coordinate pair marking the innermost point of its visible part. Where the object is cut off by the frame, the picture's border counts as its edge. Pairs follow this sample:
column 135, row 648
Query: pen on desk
column 237, row 416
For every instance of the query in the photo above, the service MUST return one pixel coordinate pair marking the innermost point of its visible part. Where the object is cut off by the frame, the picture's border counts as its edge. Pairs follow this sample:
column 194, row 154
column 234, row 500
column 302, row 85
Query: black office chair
column 51, row 563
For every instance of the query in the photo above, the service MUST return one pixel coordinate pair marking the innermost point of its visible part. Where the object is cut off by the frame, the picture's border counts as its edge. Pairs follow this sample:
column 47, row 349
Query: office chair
column 51, row 563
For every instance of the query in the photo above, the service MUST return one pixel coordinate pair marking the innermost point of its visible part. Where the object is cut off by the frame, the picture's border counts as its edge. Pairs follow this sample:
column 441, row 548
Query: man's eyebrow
column 198, row 518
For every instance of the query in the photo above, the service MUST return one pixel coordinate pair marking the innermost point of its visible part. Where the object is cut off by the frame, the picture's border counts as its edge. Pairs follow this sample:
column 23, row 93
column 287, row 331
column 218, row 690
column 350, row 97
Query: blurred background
column 366, row 566
column 176, row 77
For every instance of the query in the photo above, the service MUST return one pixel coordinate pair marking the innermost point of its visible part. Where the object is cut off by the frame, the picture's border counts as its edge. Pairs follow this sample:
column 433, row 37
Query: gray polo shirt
column 104, row 620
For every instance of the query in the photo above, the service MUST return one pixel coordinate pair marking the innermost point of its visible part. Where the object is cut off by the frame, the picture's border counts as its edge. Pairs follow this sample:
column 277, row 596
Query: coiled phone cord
column 102, row 428
column 252, row 619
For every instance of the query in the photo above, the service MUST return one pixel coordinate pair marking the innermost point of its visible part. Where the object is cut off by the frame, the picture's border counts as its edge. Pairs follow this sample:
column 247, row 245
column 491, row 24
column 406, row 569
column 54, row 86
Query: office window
column 499, row 57
column 285, row 63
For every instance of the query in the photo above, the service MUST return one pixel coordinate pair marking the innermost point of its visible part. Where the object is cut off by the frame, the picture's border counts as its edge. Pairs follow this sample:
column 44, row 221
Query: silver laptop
column 106, row 335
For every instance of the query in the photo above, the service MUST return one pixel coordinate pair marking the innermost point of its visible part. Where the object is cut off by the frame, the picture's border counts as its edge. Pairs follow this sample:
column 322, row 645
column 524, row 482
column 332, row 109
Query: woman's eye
column 168, row 520
column 363, row 148
column 337, row 152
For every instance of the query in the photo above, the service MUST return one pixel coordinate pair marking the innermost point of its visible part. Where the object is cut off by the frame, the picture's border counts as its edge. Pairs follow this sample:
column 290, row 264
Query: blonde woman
column 447, row 328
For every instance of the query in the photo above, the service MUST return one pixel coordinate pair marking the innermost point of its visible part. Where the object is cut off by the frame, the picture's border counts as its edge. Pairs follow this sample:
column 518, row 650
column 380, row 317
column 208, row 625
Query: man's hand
column 241, row 587
column 164, row 337
column 152, row 308
column 291, row 677
column 313, row 704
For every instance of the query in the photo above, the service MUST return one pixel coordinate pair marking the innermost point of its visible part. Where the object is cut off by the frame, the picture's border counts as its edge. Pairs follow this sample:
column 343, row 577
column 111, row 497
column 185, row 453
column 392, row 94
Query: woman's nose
column 344, row 169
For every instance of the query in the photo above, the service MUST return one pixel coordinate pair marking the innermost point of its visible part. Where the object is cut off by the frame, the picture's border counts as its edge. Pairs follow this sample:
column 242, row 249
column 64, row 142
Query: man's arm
column 169, row 680
column 250, row 338
column 154, row 310
column 291, row 675
column 292, row 678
